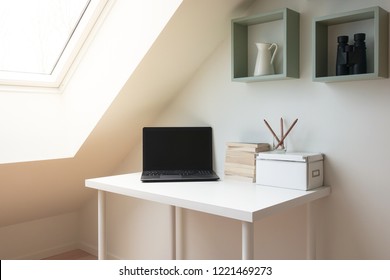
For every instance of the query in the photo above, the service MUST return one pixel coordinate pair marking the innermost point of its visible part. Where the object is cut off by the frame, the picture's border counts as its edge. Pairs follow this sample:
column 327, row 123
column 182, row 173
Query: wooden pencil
column 284, row 136
column 273, row 133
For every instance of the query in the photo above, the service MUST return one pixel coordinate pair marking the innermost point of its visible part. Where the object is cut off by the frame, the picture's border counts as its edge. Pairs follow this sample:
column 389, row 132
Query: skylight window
column 40, row 38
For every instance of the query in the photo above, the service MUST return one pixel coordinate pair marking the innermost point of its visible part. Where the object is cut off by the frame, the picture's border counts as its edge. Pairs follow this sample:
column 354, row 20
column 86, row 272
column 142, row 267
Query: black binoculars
column 351, row 59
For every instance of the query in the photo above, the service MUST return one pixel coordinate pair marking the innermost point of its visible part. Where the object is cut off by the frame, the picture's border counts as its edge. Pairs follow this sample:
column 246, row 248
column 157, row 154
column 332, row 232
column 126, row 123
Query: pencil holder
column 281, row 148
column 279, row 142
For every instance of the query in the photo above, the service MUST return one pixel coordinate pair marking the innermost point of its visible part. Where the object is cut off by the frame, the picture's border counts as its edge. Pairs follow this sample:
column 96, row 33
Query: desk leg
column 173, row 232
column 101, row 225
column 247, row 240
column 310, row 233
column 179, row 234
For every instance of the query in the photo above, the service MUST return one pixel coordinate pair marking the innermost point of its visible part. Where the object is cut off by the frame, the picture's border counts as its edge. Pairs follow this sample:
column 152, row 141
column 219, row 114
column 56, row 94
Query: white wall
column 346, row 121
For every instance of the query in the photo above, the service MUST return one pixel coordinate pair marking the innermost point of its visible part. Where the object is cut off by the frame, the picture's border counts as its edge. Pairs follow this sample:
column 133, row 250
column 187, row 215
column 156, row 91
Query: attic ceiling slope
column 34, row 190
column 44, row 126
column 189, row 38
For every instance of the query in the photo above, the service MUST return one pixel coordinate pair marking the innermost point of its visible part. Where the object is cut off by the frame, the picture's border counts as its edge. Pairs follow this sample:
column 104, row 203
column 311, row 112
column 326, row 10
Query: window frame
column 16, row 81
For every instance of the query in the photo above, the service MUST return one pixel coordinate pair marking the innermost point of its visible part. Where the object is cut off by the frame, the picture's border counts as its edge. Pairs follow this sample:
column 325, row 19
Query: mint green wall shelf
column 288, row 47
column 374, row 19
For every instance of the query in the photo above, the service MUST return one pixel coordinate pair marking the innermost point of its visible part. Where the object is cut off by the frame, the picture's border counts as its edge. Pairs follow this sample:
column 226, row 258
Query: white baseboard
column 93, row 250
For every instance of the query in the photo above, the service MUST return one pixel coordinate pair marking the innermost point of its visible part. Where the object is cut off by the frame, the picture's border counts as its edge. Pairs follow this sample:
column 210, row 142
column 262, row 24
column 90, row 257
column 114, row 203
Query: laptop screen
column 177, row 148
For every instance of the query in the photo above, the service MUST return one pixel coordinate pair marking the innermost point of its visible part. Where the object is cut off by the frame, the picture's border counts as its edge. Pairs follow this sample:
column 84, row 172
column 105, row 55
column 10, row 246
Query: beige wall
column 40, row 125
column 40, row 238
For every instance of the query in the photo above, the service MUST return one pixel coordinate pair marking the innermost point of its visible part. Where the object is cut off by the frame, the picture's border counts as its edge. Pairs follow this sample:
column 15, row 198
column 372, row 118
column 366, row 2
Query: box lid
column 290, row 156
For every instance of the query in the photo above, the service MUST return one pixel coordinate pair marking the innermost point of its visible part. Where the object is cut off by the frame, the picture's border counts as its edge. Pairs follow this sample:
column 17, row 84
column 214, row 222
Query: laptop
column 177, row 154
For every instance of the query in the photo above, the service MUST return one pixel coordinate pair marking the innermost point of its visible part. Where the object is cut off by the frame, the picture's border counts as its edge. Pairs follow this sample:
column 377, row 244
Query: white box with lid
column 302, row 171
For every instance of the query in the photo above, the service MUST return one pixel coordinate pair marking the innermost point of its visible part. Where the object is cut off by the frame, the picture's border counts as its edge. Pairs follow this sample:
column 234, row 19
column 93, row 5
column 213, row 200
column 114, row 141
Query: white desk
column 242, row 201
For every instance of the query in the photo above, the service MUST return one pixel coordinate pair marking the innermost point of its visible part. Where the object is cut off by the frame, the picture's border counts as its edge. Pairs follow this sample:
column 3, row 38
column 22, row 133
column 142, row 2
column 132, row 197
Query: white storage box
column 302, row 171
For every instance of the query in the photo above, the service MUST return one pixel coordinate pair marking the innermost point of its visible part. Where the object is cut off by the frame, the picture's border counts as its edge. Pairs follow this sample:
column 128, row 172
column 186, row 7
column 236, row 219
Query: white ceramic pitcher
column 265, row 59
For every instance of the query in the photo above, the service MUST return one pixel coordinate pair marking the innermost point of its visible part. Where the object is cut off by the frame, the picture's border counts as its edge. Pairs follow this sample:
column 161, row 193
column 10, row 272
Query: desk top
column 228, row 198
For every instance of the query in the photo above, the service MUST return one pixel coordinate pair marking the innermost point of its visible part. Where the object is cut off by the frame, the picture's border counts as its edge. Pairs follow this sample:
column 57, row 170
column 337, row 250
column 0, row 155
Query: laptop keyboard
column 178, row 172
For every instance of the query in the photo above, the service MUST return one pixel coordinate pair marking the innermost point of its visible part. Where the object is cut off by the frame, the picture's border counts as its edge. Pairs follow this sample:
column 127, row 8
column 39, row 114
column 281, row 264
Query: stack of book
column 240, row 160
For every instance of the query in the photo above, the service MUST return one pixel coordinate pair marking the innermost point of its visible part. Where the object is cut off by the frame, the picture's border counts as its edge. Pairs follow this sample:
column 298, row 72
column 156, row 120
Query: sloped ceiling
column 38, row 189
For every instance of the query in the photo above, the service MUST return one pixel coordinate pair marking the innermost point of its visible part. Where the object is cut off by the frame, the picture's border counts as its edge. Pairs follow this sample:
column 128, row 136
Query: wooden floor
column 73, row 255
